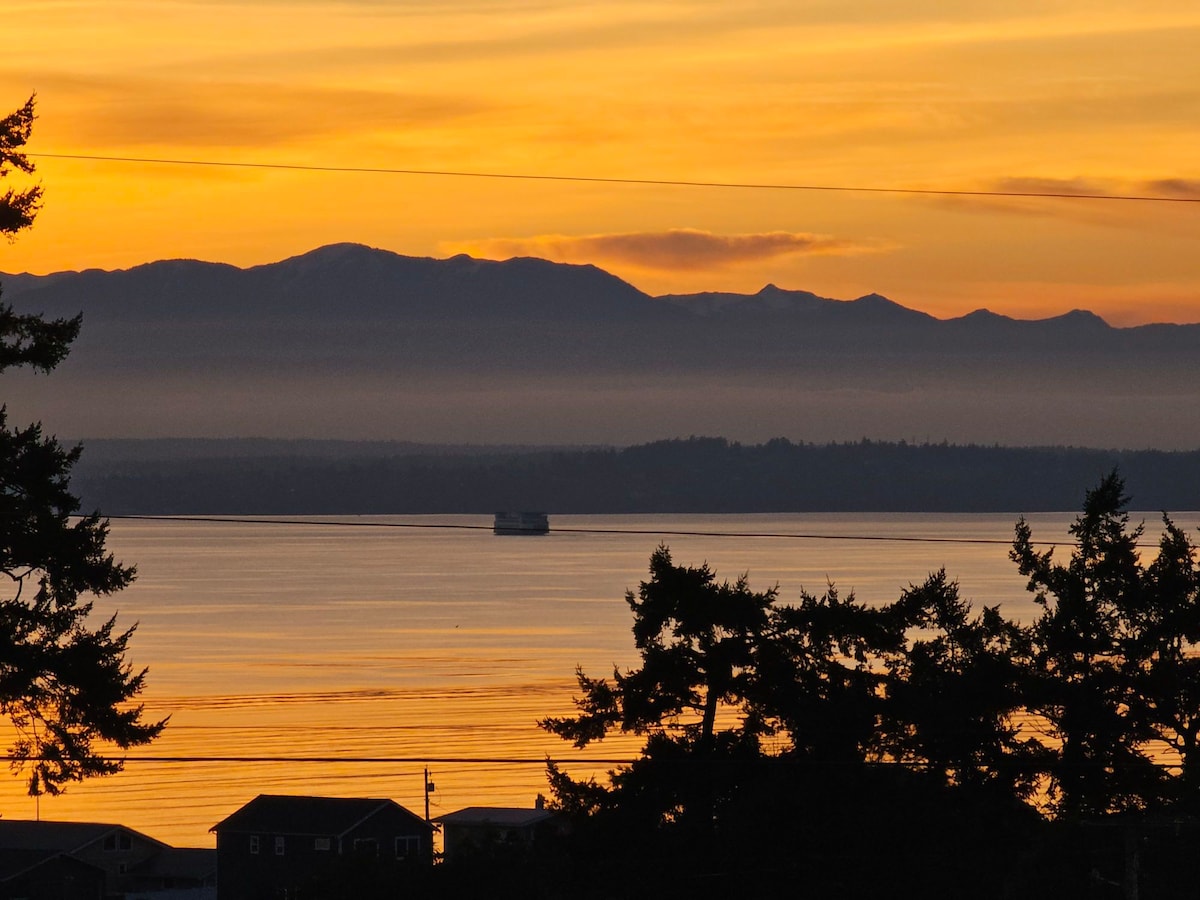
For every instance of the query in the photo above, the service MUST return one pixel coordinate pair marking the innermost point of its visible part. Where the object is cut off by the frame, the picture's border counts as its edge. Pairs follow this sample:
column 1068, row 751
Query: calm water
column 314, row 640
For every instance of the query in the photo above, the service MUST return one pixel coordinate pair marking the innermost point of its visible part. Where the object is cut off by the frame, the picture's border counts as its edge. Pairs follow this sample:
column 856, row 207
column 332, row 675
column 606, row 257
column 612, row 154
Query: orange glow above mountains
column 1069, row 97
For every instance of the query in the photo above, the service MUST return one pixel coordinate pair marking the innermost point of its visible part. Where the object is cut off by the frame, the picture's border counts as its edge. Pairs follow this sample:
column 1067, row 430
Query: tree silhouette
column 64, row 684
column 697, row 639
column 820, row 675
column 774, row 731
column 956, row 692
column 17, row 208
column 1089, row 650
column 1165, row 664
column 690, row 699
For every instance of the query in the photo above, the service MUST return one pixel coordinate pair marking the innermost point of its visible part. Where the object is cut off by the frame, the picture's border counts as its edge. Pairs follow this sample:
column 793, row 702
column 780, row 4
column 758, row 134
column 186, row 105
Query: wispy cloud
column 135, row 111
column 1068, row 187
column 1170, row 188
column 1182, row 188
column 674, row 249
column 1059, row 201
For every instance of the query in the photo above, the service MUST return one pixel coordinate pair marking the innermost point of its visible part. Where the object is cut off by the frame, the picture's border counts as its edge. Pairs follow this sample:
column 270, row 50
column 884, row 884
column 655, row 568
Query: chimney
column 539, row 802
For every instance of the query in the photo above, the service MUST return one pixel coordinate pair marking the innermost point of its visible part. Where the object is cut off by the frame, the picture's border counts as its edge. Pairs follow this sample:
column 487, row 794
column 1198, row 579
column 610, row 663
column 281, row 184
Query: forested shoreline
column 692, row 475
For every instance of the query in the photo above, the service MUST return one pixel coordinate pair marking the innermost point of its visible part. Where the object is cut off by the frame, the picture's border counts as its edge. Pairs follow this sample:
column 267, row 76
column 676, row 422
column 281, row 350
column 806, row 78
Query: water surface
column 333, row 641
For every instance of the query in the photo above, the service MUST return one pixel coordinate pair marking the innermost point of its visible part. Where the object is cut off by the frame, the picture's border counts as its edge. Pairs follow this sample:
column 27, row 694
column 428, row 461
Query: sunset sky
column 1060, row 96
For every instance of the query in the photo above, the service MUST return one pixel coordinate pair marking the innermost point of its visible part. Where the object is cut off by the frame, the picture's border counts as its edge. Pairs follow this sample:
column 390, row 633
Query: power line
column 376, row 760
column 591, row 179
column 543, row 760
column 653, row 532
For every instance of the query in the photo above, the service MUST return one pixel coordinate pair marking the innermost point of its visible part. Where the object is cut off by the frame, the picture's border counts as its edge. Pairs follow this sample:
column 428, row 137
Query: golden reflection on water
column 485, row 731
column 415, row 645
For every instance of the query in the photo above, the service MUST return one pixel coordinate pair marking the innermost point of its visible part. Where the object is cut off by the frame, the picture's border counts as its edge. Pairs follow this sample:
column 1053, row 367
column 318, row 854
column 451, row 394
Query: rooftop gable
column 62, row 837
column 316, row 816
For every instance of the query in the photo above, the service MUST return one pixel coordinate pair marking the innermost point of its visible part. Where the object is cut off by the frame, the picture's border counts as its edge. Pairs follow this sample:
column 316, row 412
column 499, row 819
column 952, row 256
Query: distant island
column 350, row 342
column 693, row 475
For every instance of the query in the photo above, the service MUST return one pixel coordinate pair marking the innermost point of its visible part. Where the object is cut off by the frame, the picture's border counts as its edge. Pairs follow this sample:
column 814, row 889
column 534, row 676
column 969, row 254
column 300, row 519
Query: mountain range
column 352, row 342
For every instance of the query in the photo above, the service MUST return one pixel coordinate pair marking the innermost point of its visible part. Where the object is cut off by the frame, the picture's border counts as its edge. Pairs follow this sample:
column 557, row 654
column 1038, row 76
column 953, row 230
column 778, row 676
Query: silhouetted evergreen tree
column 1088, row 649
column 17, row 207
column 820, row 675
column 1164, row 651
column 782, row 741
column 64, row 685
column 956, row 692
column 767, row 762
column 697, row 640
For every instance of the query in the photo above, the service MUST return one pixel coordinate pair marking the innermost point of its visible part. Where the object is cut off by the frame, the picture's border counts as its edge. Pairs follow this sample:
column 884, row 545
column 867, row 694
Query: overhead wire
column 808, row 536
column 543, row 760
column 596, row 179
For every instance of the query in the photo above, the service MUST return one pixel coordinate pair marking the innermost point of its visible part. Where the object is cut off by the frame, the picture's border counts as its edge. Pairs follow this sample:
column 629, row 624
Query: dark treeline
column 815, row 746
column 823, row 744
column 694, row 475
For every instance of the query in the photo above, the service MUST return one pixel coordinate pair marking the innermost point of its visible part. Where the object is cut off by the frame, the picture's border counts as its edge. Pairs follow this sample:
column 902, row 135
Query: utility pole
column 429, row 789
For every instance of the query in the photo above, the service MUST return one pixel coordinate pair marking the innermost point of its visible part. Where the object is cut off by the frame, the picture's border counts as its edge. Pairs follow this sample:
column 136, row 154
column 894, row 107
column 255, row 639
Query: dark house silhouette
column 481, row 831
column 288, row 847
column 92, row 861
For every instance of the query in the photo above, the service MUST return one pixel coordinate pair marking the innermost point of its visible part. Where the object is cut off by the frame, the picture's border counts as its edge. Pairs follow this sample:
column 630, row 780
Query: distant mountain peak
column 874, row 299
column 1083, row 316
column 345, row 248
column 884, row 309
column 341, row 254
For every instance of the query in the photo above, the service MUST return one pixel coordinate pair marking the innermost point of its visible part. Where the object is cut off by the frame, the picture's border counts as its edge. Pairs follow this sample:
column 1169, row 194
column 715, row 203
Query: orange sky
column 1061, row 96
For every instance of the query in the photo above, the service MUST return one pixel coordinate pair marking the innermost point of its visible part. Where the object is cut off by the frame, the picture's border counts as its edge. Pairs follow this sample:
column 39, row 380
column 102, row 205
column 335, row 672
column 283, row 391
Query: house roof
column 318, row 816
column 26, row 844
column 65, row 837
column 503, row 816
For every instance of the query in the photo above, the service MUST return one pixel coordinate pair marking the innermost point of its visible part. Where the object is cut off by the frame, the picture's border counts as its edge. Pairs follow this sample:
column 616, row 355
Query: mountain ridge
column 340, row 255
column 346, row 340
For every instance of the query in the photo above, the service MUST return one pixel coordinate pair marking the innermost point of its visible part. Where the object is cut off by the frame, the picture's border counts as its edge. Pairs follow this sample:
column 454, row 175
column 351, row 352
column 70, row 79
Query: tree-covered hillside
column 696, row 475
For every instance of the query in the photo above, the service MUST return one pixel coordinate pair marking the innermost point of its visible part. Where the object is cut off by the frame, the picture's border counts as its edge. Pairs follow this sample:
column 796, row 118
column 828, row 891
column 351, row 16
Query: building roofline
column 381, row 803
column 106, row 828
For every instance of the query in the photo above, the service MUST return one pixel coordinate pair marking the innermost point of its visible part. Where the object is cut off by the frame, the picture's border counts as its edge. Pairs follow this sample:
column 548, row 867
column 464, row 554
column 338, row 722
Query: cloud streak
column 1059, row 201
column 674, row 249
column 1171, row 188
column 1070, row 187
column 137, row 111
column 1182, row 188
